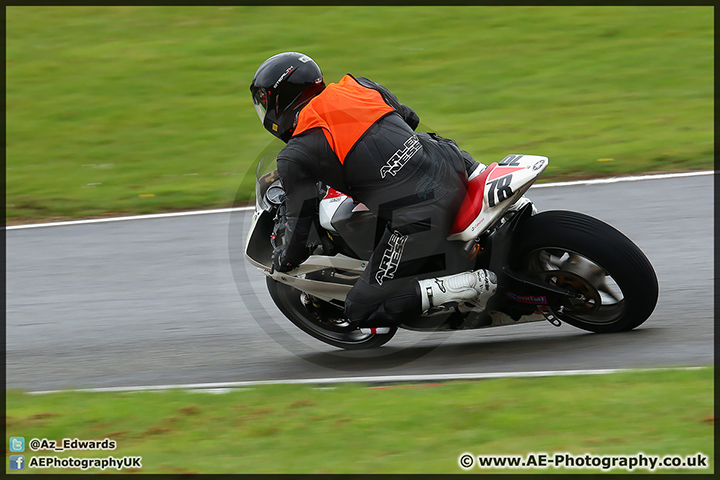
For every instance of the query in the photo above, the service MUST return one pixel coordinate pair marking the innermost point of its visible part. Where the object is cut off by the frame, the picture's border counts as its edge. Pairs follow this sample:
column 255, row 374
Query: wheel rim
column 292, row 298
column 603, row 302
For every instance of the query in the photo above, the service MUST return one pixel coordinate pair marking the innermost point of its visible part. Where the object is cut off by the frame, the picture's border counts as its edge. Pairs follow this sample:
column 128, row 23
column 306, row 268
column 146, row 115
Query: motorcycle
column 555, row 266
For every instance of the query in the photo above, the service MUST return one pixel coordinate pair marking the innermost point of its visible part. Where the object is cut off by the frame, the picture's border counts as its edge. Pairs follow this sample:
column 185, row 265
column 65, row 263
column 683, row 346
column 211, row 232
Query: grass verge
column 402, row 429
column 134, row 109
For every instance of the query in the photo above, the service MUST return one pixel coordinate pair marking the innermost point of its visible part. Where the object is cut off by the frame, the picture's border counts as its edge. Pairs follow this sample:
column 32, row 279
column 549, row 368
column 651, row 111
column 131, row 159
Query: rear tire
column 288, row 300
column 588, row 256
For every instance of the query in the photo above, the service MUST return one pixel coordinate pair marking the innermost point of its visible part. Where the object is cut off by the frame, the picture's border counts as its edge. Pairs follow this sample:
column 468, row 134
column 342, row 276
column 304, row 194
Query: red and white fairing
column 492, row 191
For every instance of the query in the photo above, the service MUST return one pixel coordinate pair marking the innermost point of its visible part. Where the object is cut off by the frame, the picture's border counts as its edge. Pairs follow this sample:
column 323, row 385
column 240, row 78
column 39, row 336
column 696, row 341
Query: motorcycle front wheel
column 317, row 322
column 582, row 254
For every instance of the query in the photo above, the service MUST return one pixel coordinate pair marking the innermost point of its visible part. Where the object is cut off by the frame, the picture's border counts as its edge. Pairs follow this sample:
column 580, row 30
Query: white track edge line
column 134, row 217
column 242, row 209
column 371, row 379
column 600, row 181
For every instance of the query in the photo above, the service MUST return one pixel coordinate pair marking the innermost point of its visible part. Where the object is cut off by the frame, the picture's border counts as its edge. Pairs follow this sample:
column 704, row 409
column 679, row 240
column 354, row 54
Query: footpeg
column 545, row 310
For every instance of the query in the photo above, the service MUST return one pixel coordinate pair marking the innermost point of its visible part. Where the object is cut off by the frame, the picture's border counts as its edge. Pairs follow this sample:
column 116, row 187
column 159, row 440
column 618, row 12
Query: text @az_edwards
column 37, row 444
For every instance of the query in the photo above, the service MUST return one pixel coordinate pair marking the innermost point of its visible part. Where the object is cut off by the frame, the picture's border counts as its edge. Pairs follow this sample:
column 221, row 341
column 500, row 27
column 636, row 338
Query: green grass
column 144, row 109
column 405, row 429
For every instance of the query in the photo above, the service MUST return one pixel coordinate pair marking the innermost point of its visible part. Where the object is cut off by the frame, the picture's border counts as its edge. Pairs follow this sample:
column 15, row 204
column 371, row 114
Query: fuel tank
column 352, row 227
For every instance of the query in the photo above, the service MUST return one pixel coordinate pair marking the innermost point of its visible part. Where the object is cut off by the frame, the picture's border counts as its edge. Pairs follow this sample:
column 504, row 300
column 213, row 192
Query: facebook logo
column 17, row 444
column 17, row 462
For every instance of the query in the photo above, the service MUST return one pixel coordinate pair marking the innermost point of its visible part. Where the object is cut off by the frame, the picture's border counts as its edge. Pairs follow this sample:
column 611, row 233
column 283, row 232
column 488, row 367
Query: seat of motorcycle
column 472, row 204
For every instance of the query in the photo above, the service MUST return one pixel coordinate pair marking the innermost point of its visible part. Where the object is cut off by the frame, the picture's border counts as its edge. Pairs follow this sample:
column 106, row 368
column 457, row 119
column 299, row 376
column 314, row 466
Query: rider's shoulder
column 301, row 147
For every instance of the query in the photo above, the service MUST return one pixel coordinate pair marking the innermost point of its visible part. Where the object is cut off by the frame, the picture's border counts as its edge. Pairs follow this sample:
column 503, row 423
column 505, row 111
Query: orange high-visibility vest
column 345, row 111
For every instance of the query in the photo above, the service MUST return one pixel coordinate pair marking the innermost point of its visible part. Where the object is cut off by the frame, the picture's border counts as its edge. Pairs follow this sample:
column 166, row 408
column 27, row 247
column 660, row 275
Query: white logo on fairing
column 401, row 157
column 391, row 257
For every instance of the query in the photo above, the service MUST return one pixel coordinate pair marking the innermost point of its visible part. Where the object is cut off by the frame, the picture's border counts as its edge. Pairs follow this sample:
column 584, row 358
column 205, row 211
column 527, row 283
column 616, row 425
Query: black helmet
column 282, row 85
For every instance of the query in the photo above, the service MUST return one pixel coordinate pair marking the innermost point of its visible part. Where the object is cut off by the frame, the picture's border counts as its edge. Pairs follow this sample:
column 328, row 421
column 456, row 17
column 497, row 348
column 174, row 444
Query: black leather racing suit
column 414, row 182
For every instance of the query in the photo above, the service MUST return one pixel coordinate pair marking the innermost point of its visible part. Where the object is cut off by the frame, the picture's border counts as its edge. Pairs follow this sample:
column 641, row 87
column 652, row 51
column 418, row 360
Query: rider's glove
column 280, row 261
column 284, row 259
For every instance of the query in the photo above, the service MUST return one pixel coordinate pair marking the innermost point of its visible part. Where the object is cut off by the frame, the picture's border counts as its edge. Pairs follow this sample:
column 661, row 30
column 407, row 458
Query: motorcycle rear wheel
column 288, row 300
column 587, row 256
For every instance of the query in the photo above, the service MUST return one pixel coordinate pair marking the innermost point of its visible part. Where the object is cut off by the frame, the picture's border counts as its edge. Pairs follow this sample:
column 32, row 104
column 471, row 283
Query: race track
column 157, row 301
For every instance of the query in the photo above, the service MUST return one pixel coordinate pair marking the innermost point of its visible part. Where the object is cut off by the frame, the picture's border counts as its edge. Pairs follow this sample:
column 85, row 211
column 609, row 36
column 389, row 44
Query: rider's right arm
column 311, row 153
column 301, row 203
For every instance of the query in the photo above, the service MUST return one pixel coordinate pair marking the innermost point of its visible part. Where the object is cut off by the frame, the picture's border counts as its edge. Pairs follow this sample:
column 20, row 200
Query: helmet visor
column 260, row 102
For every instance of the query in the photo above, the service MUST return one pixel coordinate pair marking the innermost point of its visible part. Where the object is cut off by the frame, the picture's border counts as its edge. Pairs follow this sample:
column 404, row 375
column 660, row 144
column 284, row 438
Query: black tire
column 589, row 243
column 289, row 302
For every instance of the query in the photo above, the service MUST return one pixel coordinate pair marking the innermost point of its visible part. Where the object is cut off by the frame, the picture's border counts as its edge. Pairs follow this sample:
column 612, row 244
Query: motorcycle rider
column 356, row 137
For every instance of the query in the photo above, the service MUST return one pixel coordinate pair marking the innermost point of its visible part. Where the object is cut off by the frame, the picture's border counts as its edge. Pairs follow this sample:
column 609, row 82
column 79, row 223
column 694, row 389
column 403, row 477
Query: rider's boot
column 475, row 287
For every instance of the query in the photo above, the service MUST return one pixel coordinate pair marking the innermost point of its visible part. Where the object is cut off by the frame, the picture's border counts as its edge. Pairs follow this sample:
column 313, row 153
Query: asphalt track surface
column 170, row 301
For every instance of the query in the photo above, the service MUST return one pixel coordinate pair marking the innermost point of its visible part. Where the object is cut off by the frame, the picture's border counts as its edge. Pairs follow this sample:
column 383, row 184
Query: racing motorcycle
column 555, row 266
